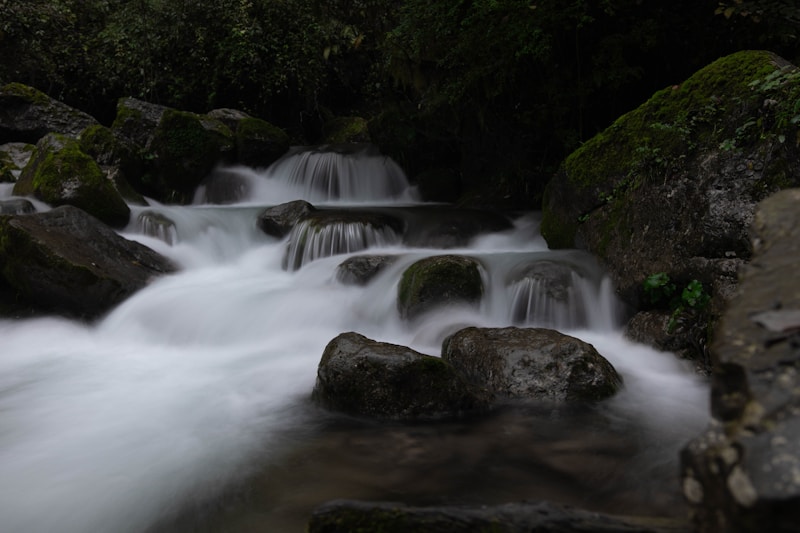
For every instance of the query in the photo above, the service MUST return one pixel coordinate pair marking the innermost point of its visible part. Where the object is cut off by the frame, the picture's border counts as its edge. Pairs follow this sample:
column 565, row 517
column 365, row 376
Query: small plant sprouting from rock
column 662, row 292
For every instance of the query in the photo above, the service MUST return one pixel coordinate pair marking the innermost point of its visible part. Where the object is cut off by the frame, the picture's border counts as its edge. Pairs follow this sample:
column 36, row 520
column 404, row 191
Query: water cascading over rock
column 157, row 225
column 325, row 234
column 346, row 171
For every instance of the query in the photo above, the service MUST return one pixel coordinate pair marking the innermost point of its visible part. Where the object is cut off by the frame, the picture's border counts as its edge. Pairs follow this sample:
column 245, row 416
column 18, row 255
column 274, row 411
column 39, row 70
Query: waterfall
column 192, row 394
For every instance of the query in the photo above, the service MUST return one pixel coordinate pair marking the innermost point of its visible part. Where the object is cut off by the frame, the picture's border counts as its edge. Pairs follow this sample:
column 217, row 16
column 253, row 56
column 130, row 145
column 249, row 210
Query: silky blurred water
column 187, row 407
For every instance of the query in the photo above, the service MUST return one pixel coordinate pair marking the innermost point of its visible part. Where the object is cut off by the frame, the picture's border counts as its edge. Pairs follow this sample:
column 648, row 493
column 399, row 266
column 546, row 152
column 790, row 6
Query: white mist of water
column 173, row 396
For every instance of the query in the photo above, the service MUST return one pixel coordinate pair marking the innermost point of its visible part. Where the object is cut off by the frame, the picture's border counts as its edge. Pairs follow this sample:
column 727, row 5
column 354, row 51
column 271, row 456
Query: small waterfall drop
column 348, row 172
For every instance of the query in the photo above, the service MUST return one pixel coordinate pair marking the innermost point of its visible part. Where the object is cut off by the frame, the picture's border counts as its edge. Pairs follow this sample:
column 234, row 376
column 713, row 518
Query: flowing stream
column 187, row 407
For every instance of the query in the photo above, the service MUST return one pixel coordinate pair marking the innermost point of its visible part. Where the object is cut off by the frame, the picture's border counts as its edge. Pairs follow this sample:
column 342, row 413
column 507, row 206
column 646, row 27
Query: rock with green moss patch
column 13, row 158
column 672, row 186
column 116, row 158
column 259, row 143
column 360, row 376
column 439, row 281
column 60, row 173
column 67, row 261
column 531, row 364
column 341, row 130
column 27, row 115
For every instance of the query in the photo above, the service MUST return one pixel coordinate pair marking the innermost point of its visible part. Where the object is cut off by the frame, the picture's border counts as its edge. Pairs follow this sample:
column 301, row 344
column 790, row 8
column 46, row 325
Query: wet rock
column 672, row 186
column 69, row 262
column 364, row 377
column 116, row 158
column 742, row 473
column 27, row 115
column 222, row 186
column 444, row 227
column 259, row 143
column 360, row 269
column 279, row 220
column 532, row 364
column 345, row 516
column 13, row 158
column 60, row 173
column 439, row 281
column 16, row 206
column 346, row 130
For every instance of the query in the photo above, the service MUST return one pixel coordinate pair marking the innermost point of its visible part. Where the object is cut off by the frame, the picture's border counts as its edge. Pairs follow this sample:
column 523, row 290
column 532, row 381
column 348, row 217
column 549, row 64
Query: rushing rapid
column 199, row 383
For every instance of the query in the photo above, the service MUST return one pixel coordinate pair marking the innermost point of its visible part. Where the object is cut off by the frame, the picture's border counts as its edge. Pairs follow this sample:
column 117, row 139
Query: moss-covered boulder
column 439, row 281
column 741, row 475
column 185, row 148
column 672, row 186
column 27, row 115
column 259, row 143
column 67, row 261
column 60, row 173
column 176, row 149
column 531, row 364
column 360, row 376
column 115, row 157
column 346, row 130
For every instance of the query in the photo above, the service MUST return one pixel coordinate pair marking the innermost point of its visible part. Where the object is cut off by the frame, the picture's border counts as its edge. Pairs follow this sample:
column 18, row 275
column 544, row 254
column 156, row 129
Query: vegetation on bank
column 498, row 90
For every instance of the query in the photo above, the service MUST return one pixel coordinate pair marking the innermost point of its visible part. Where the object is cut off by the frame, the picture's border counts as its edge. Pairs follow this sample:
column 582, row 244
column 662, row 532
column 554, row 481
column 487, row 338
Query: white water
column 181, row 389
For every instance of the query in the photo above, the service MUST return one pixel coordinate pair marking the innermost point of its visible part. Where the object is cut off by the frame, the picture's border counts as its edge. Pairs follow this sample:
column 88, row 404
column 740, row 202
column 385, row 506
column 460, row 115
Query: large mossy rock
column 259, row 143
column 743, row 474
column 360, row 376
column 27, row 115
column 60, row 173
column 176, row 149
column 672, row 186
column 67, row 261
column 348, row 516
column 531, row 364
column 439, row 281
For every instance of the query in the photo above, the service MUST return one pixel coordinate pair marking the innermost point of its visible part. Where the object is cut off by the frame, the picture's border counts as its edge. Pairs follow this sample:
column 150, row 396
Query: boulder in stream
column 346, row 516
column 672, row 185
column 439, row 281
column 364, row 377
column 278, row 221
column 69, row 262
column 531, row 364
column 60, row 173
column 743, row 473
column 360, row 269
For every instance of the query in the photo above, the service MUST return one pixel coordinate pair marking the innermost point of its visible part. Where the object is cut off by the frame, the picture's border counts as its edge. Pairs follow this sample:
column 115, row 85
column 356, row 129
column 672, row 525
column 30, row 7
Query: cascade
column 187, row 408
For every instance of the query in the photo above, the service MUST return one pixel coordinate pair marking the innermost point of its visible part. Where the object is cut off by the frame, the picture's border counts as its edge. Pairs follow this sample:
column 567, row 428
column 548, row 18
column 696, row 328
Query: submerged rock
column 347, row 516
column 364, row 377
column 741, row 475
column 69, row 262
column 360, row 270
column 531, row 363
column 439, row 281
column 60, row 173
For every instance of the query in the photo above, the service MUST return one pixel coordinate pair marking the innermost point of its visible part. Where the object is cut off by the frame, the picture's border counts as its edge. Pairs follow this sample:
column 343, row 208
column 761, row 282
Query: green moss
column 438, row 280
column 346, row 130
column 61, row 174
column 125, row 115
column 255, row 128
column 27, row 93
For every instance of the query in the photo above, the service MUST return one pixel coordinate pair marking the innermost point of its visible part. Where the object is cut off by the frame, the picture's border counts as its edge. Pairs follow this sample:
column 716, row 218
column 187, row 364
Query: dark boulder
column 346, row 516
column 27, row 115
column 16, row 206
column 60, row 173
column 439, row 281
column 364, row 377
column 448, row 227
column 360, row 270
column 743, row 473
column 69, row 262
column 341, row 130
column 672, row 186
column 278, row 221
column 13, row 158
column 532, row 364
column 259, row 143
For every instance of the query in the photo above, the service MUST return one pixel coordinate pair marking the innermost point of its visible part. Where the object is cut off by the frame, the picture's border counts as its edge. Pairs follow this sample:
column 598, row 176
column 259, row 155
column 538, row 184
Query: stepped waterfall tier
column 187, row 407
